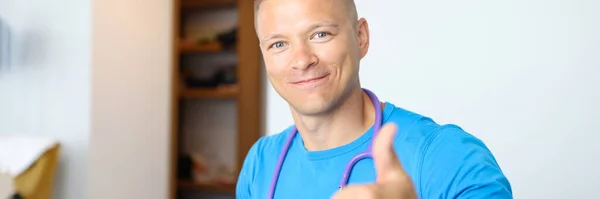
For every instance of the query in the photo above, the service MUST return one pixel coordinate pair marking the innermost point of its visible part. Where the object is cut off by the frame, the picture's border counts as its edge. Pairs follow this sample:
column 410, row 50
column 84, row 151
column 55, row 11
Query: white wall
column 131, row 99
column 108, row 105
column 45, row 91
column 521, row 75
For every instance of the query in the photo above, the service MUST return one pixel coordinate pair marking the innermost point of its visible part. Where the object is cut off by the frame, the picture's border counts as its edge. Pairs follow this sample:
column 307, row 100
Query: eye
column 277, row 45
column 320, row 35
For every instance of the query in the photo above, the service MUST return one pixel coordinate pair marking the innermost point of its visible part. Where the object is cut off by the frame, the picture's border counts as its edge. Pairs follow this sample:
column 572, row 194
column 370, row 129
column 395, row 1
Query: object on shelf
column 207, row 25
column 209, row 170
column 17, row 196
column 225, row 40
column 226, row 176
column 228, row 76
column 184, row 167
column 207, row 4
column 202, row 83
column 223, row 76
column 228, row 39
column 201, row 37
column 185, row 43
column 207, row 187
column 187, row 46
column 202, row 169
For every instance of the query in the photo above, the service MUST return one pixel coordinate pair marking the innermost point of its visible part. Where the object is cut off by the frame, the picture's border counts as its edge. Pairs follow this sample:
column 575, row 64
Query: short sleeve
column 246, row 175
column 457, row 165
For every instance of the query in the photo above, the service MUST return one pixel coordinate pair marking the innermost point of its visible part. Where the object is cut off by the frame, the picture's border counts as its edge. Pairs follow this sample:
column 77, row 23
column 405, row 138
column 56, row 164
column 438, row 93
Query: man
column 312, row 50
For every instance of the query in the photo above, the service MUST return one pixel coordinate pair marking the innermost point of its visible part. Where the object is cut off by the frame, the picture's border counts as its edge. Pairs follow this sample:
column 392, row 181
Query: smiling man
column 312, row 51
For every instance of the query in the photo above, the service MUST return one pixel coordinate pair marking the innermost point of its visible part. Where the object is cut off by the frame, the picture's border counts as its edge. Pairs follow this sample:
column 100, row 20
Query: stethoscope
column 368, row 153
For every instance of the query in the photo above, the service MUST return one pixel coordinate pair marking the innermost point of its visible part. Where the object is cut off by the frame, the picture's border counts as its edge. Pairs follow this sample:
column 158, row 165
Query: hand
column 392, row 181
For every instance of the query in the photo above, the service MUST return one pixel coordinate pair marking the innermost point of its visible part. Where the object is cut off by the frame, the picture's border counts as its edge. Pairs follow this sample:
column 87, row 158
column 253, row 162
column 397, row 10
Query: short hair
column 257, row 5
column 350, row 5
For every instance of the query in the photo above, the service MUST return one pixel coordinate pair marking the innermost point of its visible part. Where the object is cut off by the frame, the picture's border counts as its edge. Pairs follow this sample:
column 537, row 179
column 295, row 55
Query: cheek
column 275, row 67
column 333, row 54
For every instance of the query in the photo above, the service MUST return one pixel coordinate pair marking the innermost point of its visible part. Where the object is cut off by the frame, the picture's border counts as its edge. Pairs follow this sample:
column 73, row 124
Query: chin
column 312, row 106
column 310, row 109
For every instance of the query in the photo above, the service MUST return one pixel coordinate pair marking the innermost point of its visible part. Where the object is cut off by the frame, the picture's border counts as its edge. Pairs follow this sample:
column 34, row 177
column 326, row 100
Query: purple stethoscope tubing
column 368, row 153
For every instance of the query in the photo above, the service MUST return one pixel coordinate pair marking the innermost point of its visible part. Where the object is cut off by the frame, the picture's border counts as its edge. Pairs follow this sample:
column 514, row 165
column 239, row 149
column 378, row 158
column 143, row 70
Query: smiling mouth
column 309, row 81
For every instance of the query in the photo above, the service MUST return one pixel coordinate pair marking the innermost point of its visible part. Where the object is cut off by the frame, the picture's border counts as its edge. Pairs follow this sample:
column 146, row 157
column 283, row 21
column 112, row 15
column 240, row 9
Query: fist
column 392, row 181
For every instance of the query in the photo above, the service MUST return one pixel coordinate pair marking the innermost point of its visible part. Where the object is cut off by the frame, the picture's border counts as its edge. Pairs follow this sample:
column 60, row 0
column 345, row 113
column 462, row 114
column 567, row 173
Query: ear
column 363, row 36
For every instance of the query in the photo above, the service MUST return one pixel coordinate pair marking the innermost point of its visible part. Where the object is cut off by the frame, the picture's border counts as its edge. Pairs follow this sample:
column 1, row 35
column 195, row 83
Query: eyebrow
column 324, row 24
column 270, row 37
column 312, row 27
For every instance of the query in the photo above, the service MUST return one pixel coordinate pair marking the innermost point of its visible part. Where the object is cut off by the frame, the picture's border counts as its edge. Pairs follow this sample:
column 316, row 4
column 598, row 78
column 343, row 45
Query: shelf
column 207, row 4
column 215, row 188
column 212, row 47
column 198, row 47
column 218, row 92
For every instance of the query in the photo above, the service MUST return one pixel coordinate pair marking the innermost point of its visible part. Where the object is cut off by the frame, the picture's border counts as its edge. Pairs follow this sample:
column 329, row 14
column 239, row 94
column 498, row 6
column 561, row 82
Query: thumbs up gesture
column 392, row 181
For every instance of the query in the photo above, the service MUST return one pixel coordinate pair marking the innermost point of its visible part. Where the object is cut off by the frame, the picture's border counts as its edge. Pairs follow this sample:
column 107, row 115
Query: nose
column 304, row 57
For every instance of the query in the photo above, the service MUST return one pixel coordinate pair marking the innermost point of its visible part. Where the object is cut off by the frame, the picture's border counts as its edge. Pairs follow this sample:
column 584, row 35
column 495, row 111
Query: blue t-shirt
column 443, row 161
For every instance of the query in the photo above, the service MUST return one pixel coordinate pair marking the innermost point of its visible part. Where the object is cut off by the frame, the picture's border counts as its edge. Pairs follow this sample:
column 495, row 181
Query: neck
column 343, row 124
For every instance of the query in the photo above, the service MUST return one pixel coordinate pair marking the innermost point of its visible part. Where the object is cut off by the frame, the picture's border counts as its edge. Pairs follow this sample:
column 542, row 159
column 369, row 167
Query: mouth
column 310, row 80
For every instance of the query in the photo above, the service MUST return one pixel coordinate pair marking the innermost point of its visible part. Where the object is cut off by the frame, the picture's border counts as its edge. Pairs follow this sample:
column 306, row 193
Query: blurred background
column 163, row 98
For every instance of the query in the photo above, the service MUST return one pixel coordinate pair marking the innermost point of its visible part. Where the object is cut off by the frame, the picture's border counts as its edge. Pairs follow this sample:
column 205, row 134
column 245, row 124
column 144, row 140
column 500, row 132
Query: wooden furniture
column 245, row 95
column 37, row 181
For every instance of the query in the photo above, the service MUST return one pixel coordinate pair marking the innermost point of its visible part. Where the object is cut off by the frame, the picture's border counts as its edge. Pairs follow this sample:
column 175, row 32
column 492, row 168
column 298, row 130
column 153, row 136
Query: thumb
column 386, row 161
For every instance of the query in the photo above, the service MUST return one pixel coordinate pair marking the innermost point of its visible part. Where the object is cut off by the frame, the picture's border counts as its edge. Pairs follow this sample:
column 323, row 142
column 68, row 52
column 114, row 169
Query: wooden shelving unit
column 212, row 188
column 212, row 47
column 207, row 4
column 230, row 92
column 245, row 93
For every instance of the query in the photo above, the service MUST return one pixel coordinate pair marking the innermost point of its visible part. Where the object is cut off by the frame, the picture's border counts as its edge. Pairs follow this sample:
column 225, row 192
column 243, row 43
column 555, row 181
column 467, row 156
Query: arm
column 456, row 164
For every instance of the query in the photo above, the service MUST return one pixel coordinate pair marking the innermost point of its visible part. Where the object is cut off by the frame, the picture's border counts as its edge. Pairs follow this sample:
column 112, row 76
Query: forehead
column 275, row 14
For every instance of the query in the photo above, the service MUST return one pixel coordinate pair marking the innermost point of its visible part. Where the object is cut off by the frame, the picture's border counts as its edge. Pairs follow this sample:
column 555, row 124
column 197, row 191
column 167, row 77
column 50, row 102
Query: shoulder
column 269, row 143
column 426, row 137
column 445, row 160
column 265, row 149
column 266, row 144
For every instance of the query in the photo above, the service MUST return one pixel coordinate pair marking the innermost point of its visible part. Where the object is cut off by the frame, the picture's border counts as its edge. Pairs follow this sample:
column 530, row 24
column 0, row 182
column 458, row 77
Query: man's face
column 312, row 49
